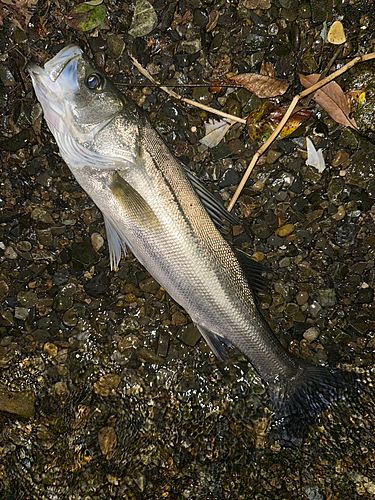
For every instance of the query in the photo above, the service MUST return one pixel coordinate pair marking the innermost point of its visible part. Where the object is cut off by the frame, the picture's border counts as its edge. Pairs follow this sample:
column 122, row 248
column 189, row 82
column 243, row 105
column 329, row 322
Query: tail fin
column 302, row 400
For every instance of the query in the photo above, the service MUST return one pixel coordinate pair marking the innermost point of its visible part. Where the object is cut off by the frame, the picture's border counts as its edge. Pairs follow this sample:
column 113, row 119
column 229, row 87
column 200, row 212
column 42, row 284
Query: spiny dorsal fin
column 253, row 271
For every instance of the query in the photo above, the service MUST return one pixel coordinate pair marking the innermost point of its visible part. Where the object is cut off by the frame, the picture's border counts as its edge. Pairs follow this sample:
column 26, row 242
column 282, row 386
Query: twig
column 287, row 115
column 173, row 94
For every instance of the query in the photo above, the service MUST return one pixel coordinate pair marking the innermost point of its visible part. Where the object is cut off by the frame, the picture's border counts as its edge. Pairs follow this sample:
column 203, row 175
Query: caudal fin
column 302, row 400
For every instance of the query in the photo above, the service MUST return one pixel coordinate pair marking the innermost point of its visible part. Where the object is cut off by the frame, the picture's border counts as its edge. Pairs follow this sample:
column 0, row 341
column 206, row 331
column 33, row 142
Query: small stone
column 149, row 285
column 258, row 186
column 70, row 317
column 365, row 296
column 341, row 158
column 336, row 34
column 189, row 334
column 62, row 302
column 116, row 46
column 148, row 356
column 107, row 385
column 311, row 334
column 144, row 19
column 163, row 344
column 20, row 403
column 27, row 299
column 302, row 297
column 273, row 156
column 21, row 313
column 178, row 319
column 44, row 236
column 4, row 289
column 340, row 214
column 285, row 230
column 41, row 215
column 83, row 255
column 258, row 256
column 229, row 178
column 124, row 343
column 50, row 350
column 97, row 241
column 98, row 285
column 326, row 297
column 10, row 253
column 60, row 277
column 315, row 309
column 220, row 152
column 61, row 389
column 107, row 441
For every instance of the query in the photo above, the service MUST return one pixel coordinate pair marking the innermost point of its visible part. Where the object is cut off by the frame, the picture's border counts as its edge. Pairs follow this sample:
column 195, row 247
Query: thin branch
column 287, row 115
column 173, row 94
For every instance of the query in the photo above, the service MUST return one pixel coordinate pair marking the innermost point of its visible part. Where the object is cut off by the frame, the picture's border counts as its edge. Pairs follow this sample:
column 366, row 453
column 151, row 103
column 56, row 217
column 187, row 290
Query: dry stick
column 145, row 73
column 287, row 115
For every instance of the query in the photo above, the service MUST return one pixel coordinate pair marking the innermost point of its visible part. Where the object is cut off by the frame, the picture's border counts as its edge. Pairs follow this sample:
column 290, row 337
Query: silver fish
column 162, row 213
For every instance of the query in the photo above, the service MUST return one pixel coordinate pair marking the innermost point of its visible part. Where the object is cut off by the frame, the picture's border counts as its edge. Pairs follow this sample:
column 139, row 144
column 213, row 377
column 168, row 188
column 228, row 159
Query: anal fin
column 215, row 342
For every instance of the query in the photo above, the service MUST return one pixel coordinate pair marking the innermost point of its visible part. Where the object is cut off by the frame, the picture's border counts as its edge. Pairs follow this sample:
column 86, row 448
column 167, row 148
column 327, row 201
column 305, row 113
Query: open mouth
column 52, row 83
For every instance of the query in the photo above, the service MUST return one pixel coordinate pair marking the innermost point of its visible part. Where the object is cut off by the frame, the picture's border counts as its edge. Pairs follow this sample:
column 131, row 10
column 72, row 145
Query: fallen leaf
column 262, row 86
column 263, row 121
column 215, row 131
column 144, row 19
column 332, row 99
column 267, row 69
column 336, row 34
column 86, row 16
column 314, row 158
column 213, row 18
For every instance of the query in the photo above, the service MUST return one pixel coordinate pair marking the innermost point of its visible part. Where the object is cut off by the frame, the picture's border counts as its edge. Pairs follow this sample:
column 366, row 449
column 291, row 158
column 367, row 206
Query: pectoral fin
column 134, row 207
column 115, row 244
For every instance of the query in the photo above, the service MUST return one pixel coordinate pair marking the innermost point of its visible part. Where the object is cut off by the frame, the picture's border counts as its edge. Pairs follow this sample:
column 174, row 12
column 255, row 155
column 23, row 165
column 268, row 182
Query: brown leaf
column 332, row 99
column 262, row 86
column 213, row 18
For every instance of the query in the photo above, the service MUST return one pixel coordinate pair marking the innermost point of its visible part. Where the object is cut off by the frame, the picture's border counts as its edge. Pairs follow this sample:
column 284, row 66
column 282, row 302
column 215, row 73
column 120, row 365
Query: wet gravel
column 106, row 388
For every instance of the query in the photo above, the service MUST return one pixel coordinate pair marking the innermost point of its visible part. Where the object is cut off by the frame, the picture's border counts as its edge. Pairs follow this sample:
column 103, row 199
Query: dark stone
column 182, row 60
column 98, row 285
column 229, row 178
column 365, row 296
column 83, row 255
column 220, row 151
column 18, row 141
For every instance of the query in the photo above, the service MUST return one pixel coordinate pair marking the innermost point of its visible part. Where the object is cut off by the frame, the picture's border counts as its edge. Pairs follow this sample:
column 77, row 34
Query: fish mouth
column 53, row 82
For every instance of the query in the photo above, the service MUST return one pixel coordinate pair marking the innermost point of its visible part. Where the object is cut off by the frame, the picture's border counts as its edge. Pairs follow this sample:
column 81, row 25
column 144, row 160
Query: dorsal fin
column 254, row 272
column 218, row 213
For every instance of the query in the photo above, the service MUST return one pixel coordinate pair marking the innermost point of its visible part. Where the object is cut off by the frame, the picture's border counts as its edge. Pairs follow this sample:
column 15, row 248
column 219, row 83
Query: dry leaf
column 332, row 99
column 267, row 69
column 262, row 86
column 336, row 34
column 215, row 131
column 213, row 18
column 263, row 121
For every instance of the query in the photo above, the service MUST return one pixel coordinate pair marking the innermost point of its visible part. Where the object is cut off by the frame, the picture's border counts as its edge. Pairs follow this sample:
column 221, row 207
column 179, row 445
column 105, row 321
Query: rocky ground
column 106, row 388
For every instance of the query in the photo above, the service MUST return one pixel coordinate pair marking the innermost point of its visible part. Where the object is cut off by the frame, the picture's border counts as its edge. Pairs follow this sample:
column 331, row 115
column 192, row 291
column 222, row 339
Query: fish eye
column 94, row 81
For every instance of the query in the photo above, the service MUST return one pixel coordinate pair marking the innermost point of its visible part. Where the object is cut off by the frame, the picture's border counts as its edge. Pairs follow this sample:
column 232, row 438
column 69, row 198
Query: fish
column 159, row 210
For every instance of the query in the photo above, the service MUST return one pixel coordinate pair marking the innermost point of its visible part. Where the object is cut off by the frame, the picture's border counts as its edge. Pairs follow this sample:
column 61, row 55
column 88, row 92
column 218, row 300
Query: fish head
column 78, row 102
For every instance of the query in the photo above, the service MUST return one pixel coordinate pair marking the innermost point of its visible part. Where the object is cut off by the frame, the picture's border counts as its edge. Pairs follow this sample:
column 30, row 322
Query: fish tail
column 302, row 400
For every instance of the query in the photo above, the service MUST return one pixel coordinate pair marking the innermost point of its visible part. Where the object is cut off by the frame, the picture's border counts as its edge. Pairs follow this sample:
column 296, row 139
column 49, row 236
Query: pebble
column 107, row 385
column 285, row 230
column 148, row 356
column 189, row 334
column 21, row 313
column 97, row 241
column 326, row 297
column 311, row 334
column 302, row 297
column 336, row 34
column 107, row 441
column 50, row 349
column 149, row 285
column 27, row 299
column 315, row 309
column 10, row 253
column 20, row 403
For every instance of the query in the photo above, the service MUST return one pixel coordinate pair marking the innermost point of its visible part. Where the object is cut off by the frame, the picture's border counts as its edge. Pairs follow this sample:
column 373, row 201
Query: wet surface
column 106, row 388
